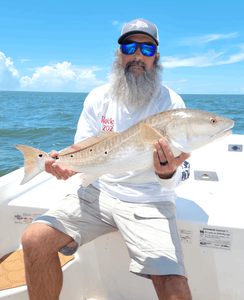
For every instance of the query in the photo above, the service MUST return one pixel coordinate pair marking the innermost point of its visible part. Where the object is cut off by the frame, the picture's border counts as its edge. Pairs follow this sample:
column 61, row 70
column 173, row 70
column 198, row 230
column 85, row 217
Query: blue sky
column 70, row 45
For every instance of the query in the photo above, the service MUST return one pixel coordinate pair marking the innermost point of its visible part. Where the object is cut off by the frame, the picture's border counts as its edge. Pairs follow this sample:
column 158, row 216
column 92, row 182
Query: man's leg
column 171, row 287
column 152, row 237
column 41, row 244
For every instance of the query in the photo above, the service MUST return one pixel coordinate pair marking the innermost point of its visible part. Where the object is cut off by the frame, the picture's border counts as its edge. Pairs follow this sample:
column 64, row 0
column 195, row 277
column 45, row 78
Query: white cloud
column 205, row 84
column 199, row 40
column 233, row 58
column 205, row 60
column 198, row 61
column 9, row 76
column 60, row 77
column 176, row 81
column 118, row 25
column 24, row 60
column 213, row 37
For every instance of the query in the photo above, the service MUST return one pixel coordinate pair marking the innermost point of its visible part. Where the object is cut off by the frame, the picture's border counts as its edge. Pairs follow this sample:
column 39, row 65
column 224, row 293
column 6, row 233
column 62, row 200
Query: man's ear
column 158, row 55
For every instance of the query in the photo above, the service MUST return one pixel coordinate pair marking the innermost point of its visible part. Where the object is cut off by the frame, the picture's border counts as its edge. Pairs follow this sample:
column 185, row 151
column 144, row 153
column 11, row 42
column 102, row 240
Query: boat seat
column 12, row 269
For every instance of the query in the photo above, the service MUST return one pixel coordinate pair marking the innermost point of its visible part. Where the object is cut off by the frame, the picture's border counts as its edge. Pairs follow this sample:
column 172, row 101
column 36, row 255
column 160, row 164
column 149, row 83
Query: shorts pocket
column 155, row 226
column 68, row 206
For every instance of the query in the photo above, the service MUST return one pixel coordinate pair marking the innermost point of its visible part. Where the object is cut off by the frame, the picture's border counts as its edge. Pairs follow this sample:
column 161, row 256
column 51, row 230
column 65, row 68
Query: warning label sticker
column 186, row 236
column 215, row 238
column 20, row 217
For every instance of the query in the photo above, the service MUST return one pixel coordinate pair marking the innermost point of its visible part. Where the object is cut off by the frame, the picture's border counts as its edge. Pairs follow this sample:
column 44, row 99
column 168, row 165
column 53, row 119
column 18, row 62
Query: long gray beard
column 133, row 92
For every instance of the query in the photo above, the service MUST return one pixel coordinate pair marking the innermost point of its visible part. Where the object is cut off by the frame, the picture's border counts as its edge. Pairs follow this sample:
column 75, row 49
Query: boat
column 210, row 221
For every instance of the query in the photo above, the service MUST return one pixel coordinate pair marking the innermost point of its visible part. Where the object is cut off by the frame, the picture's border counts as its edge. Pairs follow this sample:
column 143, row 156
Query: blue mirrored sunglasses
column 131, row 47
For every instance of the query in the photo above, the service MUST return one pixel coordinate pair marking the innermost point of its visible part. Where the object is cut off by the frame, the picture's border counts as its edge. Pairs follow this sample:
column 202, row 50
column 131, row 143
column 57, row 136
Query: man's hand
column 162, row 153
column 56, row 170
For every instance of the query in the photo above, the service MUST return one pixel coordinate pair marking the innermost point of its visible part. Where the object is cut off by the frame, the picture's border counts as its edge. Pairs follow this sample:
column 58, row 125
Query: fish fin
column 175, row 148
column 87, row 179
column 179, row 147
column 34, row 161
column 149, row 135
column 89, row 142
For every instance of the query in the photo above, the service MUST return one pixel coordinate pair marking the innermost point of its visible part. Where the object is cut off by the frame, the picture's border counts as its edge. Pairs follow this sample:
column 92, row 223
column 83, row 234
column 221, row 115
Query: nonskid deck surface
column 12, row 269
column 211, row 226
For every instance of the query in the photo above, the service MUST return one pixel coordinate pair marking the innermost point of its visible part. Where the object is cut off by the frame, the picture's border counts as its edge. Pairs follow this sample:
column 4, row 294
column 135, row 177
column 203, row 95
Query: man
column 139, row 203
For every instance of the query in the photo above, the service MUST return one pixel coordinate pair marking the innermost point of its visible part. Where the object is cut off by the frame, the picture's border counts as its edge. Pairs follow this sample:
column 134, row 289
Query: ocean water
column 48, row 120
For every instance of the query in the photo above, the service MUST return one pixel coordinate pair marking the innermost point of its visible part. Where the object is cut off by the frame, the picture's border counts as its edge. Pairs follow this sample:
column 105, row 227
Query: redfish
column 184, row 130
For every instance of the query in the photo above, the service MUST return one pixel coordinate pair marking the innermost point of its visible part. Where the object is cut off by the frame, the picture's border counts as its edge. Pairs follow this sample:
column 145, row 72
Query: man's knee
column 41, row 238
column 35, row 237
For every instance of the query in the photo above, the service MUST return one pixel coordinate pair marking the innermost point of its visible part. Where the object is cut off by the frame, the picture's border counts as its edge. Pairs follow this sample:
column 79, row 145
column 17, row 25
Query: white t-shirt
column 101, row 113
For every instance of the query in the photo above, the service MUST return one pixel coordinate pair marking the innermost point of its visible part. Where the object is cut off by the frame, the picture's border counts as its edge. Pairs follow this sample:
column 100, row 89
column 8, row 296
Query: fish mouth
column 223, row 133
column 220, row 135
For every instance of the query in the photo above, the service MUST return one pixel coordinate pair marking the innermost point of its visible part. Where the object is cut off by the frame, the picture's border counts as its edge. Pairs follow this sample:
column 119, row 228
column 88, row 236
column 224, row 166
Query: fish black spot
column 56, row 157
column 90, row 150
column 40, row 155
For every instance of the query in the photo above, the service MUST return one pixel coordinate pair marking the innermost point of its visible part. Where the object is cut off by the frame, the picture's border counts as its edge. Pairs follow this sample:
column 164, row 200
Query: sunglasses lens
column 148, row 50
column 129, row 48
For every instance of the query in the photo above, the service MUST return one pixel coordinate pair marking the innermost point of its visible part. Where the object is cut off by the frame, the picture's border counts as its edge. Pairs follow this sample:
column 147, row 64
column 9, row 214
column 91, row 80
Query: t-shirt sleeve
column 87, row 124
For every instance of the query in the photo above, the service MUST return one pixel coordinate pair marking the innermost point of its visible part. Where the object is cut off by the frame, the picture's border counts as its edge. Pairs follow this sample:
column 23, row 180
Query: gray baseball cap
column 139, row 26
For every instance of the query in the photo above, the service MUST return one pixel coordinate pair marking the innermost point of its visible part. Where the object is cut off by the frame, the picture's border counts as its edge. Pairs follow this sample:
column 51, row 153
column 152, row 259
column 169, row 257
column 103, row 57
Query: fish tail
column 34, row 161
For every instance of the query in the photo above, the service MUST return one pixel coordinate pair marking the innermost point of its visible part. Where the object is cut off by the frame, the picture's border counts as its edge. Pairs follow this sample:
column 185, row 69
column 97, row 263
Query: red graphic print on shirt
column 107, row 124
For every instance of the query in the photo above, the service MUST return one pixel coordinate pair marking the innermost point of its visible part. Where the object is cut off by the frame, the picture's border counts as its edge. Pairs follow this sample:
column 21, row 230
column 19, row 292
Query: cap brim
column 125, row 35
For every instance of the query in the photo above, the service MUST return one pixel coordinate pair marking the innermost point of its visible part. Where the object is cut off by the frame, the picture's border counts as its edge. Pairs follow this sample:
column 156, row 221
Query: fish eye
column 213, row 121
column 71, row 155
column 40, row 155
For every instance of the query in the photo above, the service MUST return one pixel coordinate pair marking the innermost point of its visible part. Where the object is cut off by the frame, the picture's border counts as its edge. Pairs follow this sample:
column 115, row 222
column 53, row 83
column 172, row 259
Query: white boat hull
column 211, row 225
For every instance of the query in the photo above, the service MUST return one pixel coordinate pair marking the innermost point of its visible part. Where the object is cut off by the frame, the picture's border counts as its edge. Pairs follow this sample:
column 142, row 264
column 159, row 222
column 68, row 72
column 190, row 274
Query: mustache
column 135, row 63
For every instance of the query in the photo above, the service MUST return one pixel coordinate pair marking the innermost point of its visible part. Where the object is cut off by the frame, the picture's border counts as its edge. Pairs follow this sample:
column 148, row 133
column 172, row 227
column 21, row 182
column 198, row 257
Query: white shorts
column 149, row 229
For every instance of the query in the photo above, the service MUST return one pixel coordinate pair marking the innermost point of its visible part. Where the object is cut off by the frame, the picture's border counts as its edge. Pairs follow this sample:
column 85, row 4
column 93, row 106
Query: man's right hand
column 57, row 170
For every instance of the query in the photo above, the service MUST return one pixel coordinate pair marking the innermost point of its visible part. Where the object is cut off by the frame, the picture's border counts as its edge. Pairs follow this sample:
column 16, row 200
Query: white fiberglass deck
column 211, row 225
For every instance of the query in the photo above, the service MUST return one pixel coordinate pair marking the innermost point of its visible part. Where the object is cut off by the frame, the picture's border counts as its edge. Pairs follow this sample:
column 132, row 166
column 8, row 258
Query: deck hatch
column 206, row 176
column 235, row 148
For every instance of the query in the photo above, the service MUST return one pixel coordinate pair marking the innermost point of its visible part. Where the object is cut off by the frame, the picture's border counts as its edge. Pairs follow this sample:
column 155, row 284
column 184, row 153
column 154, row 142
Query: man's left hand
column 162, row 153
